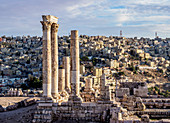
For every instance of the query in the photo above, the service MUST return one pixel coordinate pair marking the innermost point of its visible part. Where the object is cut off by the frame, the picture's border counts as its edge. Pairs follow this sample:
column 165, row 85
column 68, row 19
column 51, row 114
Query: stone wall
column 122, row 91
column 87, row 112
column 157, row 103
column 141, row 91
column 154, row 113
column 132, row 103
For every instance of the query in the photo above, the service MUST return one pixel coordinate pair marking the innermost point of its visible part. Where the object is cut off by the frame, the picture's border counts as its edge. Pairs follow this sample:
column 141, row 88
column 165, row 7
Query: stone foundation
column 47, row 111
column 44, row 113
column 67, row 104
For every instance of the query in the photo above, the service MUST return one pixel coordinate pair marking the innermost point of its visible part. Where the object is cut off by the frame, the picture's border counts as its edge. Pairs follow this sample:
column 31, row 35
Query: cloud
column 89, row 16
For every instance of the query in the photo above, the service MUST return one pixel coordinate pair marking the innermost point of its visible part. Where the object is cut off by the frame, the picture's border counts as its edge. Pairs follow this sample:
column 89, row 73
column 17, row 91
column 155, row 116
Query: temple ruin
column 62, row 99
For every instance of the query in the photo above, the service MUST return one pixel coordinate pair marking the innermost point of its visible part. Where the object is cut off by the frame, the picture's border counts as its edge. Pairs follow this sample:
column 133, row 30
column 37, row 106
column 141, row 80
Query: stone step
column 43, row 116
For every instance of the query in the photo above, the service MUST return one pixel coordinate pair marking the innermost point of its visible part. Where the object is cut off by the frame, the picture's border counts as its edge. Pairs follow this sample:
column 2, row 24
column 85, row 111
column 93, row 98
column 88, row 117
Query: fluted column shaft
column 66, row 65
column 74, row 56
column 54, row 53
column 46, row 58
column 88, row 83
column 102, row 82
column 61, row 80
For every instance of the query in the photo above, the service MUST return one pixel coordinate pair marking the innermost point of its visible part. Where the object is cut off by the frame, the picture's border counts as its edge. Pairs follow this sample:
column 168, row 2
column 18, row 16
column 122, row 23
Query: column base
column 44, row 113
column 75, row 99
column 89, row 90
column 45, row 98
column 68, row 90
column 105, row 102
column 56, row 96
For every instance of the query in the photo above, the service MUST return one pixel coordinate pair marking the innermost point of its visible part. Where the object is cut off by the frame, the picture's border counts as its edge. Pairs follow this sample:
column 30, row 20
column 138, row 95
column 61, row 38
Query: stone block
column 64, row 104
column 47, row 117
column 63, row 108
column 113, row 121
column 46, row 100
column 81, row 115
column 48, row 121
column 37, row 116
column 98, row 111
column 34, row 121
column 128, row 121
column 55, row 104
column 45, row 104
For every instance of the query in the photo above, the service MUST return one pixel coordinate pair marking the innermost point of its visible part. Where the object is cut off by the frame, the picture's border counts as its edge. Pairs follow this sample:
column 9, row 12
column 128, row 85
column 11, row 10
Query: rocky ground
column 21, row 115
column 5, row 101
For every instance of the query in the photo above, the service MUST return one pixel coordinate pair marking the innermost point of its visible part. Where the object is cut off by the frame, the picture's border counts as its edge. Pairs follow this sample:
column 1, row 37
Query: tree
column 2, row 74
column 156, row 88
column 146, row 59
column 85, row 58
column 137, row 68
column 24, row 86
column 116, row 75
column 94, row 61
column 160, row 70
column 34, row 83
column 68, row 41
column 135, row 72
column 121, row 73
column 28, row 61
column 133, row 69
column 18, row 54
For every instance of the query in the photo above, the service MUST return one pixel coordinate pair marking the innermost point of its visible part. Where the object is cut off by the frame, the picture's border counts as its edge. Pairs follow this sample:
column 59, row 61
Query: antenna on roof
column 156, row 35
column 120, row 33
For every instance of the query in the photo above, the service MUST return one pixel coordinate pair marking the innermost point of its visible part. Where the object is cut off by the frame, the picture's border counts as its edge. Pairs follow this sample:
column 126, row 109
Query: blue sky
column 141, row 18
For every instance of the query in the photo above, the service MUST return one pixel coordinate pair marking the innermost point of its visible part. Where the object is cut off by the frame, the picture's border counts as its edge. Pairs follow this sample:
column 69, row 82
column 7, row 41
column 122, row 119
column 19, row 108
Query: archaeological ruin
column 63, row 101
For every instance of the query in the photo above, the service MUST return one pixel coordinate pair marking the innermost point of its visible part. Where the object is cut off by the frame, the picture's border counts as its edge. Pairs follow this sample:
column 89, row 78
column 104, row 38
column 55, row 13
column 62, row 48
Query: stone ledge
column 45, row 104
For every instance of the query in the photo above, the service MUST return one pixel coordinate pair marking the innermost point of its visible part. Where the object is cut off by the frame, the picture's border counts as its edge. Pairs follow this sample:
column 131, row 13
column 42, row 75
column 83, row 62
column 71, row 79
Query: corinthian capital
column 54, row 27
column 46, row 25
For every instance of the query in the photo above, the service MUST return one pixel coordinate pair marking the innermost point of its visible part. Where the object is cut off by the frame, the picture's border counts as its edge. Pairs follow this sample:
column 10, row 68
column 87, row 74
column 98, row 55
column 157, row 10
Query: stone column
column 66, row 65
column 102, row 82
column 54, row 53
column 105, row 94
column 88, row 85
column 75, row 67
column 50, row 70
column 61, row 80
column 46, row 58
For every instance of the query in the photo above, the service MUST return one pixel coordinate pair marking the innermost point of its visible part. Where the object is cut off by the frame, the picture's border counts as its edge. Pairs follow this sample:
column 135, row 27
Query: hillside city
column 121, row 59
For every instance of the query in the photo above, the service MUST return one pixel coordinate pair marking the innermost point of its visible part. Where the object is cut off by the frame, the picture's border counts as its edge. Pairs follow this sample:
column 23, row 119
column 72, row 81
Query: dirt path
column 21, row 115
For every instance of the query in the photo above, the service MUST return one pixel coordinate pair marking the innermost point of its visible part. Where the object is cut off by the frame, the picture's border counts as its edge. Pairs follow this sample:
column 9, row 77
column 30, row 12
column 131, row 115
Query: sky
column 141, row 18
